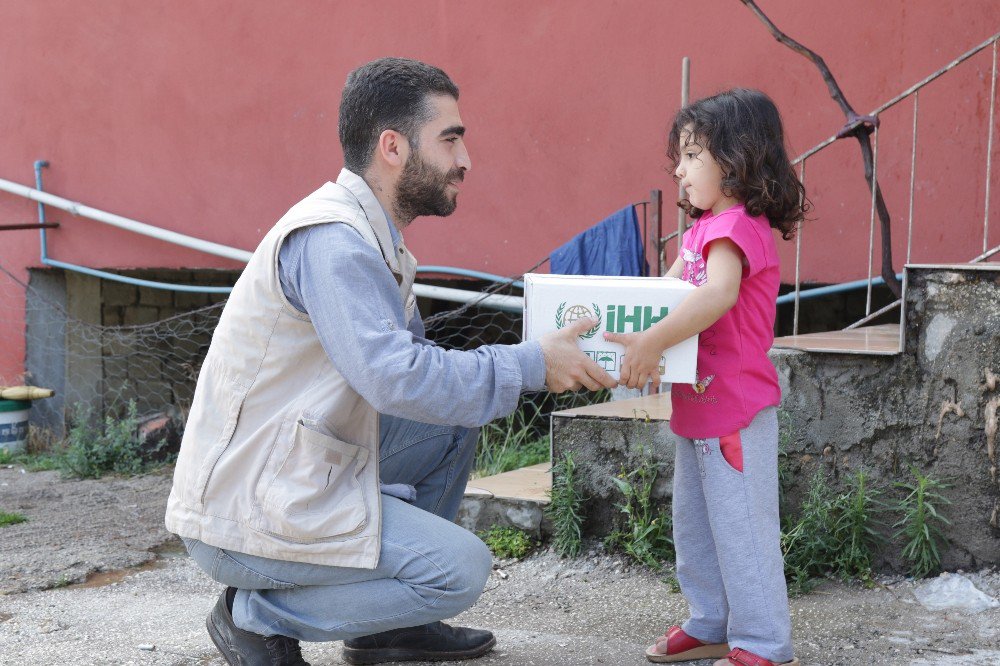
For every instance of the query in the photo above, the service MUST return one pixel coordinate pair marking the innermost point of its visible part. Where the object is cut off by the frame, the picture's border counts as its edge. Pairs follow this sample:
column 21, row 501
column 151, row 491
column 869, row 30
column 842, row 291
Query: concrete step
column 515, row 498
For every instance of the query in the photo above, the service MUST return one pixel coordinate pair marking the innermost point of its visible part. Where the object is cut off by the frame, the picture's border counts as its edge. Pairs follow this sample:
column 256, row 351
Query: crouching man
column 329, row 443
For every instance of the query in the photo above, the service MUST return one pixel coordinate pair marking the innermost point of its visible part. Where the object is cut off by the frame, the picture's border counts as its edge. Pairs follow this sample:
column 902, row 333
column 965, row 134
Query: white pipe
column 495, row 301
column 125, row 223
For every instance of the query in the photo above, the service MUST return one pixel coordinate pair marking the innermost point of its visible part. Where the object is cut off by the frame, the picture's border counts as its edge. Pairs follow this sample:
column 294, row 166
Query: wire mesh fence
column 103, row 344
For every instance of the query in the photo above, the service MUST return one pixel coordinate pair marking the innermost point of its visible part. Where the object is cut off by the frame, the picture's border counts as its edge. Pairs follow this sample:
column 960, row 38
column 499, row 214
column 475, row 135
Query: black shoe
column 243, row 648
column 436, row 641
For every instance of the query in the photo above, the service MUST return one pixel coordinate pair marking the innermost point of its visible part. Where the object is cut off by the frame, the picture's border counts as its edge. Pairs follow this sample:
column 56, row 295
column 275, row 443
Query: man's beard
column 423, row 190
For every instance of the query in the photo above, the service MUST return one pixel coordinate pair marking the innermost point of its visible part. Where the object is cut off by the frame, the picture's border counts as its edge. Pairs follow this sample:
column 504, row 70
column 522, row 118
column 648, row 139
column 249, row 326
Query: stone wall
column 934, row 407
column 100, row 343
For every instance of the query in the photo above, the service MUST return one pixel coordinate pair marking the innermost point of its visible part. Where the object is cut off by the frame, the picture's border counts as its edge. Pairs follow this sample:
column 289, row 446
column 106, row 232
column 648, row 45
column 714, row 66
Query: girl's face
column 701, row 176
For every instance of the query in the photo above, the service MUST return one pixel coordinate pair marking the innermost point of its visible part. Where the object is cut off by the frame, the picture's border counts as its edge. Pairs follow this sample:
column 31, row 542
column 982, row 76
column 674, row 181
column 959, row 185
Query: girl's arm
column 677, row 269
column 702, row 308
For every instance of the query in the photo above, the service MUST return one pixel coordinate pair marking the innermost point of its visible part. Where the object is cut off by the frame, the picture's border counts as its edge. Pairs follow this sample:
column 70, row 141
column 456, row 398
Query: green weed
column 921, row 523
column 8, row 519
column 564, row 509
column 507, row 542
column 94, row 449
column 834, row 535
column 647, row 530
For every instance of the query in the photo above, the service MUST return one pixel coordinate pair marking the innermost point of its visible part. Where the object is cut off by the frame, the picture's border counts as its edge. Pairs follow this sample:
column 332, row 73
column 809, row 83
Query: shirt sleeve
column 352, row 298
column 741, row 229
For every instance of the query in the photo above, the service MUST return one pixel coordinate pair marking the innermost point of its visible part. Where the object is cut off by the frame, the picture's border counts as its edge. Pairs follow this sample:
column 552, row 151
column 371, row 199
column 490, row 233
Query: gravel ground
column 545, row 611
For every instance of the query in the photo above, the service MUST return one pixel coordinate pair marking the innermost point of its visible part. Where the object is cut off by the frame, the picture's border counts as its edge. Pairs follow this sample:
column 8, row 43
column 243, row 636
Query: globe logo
column 567, row 316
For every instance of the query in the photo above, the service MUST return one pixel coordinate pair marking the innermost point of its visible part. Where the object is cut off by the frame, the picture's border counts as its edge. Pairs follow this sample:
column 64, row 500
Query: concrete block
column 119, row 293
column 140, row 314
column 156, row 297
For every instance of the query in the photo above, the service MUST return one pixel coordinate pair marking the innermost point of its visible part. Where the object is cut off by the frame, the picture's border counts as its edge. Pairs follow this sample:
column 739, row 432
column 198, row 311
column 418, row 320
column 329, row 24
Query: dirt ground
column 93, row 578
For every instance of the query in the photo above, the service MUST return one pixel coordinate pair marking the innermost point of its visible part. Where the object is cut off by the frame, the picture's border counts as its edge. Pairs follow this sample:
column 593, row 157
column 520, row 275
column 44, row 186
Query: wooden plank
column 875, row 340
column 528, row 483
column 656, row 407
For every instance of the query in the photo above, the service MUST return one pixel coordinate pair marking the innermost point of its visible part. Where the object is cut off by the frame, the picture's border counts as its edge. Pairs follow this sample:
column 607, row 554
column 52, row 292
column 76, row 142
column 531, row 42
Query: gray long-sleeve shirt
column 331, row 273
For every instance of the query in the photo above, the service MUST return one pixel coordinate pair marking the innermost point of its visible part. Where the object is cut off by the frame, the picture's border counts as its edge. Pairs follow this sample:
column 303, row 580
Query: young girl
column 730, row 159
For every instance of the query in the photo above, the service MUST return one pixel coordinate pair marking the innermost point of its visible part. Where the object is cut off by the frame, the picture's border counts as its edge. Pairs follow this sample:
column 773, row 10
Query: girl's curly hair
column 742, row 130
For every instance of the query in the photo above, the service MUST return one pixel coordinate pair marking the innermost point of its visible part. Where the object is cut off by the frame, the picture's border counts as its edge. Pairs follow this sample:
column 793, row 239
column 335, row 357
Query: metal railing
column 871, row 281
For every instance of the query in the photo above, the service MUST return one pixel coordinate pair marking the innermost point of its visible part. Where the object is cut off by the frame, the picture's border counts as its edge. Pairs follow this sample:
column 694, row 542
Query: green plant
column 834, row 534
column 921, row 523
column 506, row 542
column 521, row 438
column 8, row 519
column 646, row 532
column 856, row 516
column 7, row 456
column 94, row 449
column 564, row 509
column 807, row 543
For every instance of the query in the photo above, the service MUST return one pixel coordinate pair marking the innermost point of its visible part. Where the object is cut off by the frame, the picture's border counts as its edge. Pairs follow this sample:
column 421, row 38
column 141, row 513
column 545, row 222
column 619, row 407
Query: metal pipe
column 124, row 222
column 877, row 313
column 871, row 224
column 913, row 175
column 831, row 289
column 104, row 275
column 685, row 99
column 467, row 272
column 39, row 165
column 989, row 150
column 492, row 301
column 798, row 254
column 912, row 89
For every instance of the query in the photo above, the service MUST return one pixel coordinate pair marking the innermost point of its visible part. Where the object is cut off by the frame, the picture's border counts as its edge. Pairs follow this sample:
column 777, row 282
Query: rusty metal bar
column 34, row 225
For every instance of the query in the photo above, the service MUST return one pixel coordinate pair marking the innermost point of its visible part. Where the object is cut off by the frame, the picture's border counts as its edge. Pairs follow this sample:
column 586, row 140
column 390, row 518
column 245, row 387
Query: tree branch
column 857, row 126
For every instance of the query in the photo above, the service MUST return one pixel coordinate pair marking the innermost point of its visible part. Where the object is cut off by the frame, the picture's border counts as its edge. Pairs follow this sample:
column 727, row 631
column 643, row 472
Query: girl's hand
column 640, row 361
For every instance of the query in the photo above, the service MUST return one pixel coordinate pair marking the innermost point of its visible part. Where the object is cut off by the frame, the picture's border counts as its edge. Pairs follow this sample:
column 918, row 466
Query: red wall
column 212, row 118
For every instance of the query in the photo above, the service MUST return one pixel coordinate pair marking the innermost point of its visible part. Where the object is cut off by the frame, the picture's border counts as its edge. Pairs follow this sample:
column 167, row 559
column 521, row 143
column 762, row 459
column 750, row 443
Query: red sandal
column 740, row 657
column 675, row 645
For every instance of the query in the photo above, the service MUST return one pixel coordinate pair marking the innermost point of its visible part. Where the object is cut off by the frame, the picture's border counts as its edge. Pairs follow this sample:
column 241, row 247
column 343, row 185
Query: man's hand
column 566, row 367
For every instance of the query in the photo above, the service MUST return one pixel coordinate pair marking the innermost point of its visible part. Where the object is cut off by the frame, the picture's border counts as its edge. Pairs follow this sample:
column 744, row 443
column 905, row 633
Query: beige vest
column 280, row 455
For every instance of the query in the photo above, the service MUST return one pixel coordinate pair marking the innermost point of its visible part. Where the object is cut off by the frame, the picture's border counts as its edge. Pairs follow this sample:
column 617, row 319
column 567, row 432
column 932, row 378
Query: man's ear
column 393, row 148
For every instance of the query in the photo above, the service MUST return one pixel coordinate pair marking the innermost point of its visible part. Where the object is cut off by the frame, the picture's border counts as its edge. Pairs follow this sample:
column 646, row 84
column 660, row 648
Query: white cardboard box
column 620, row 304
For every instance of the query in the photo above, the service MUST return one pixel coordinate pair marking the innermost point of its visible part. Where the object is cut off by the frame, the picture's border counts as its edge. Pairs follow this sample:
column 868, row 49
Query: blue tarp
column 611, row 247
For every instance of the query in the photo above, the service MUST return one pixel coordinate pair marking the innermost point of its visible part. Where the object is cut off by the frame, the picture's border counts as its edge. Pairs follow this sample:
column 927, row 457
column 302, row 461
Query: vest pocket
column 315, row 493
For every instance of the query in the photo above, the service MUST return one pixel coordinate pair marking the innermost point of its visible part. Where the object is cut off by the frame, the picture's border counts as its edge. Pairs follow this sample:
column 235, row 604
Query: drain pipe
column 494, row 301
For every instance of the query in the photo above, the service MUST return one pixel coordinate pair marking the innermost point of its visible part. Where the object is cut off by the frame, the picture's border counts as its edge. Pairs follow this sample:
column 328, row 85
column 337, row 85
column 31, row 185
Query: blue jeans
column 429, row 569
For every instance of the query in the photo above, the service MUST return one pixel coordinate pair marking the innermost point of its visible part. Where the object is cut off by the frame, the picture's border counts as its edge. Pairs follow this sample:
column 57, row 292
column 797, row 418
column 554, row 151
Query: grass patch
column 508, row 542
column 8, row 519
column 521, row 438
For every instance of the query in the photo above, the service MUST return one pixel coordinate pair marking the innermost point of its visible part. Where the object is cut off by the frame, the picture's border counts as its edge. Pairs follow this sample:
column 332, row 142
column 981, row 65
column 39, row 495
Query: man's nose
column 462, row 160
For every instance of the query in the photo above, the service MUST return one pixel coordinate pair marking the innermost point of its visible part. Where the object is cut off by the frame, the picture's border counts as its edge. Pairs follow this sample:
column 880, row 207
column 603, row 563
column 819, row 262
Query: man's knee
column 473, row 563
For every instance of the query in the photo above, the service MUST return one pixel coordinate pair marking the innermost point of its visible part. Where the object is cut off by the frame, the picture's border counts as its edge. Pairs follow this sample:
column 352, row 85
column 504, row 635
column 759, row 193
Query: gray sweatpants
column 727, row 536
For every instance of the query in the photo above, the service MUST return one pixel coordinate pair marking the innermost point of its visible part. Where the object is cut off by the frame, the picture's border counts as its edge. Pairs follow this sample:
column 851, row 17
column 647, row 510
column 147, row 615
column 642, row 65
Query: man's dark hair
column 388, row 93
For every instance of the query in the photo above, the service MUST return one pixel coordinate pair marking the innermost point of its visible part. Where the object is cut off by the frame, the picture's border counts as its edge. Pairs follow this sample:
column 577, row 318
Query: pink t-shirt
column 736, row 379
